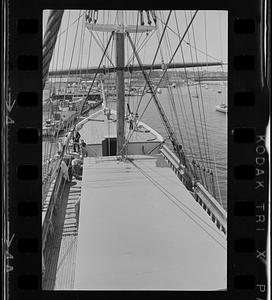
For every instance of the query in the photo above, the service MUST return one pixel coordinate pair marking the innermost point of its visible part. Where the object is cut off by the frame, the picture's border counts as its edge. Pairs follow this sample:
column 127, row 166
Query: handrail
column 172, row 157
column 202, row 196
column 47, row 225
column 218, row 211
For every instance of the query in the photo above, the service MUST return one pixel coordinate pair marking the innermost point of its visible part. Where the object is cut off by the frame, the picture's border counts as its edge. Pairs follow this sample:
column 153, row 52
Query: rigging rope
column 71, row 119
column 73, row 49
column 202, row 159
column 203, row 179
column 177, row 147
column 65, row 45
column 171, row 93
column 154, row 59
column 97, row 70
column 140, row 47
column 100, row 44
column 214, row 158
column 158, row 84
column 173, row 108
column 143, row 91
column 67, row 28
column 82, row 47
column 188, row 43
column 133, row 57
column 220, row 38
column 147, row 79
column 47, row 156
column 203, row 110
column 89, row 52
column 67, row 124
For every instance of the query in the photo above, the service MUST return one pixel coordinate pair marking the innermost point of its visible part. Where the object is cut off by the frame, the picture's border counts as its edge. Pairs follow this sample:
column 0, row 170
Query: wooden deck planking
column 141, row 229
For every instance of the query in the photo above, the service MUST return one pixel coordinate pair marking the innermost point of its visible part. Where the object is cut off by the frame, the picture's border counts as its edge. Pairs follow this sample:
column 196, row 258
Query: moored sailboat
column 222, row 108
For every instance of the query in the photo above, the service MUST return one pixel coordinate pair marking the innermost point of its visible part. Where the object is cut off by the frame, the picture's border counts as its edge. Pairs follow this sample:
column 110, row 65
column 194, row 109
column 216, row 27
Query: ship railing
column 48, row 176
column 54, row 193
column 211, row 206
column 173, row 162
column 49, row 205
column 201, row 195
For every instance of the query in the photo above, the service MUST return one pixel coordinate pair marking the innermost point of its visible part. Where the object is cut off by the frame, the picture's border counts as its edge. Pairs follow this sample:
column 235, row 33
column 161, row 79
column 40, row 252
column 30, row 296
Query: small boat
column 222, row 108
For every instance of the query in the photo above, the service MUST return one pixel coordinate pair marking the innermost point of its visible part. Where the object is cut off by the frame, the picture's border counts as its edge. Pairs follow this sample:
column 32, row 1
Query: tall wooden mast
column 120, row 86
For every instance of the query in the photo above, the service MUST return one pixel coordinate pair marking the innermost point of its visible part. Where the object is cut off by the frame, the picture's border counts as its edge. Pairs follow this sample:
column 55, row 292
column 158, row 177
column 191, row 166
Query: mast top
column 120, row 18
column 120, row 26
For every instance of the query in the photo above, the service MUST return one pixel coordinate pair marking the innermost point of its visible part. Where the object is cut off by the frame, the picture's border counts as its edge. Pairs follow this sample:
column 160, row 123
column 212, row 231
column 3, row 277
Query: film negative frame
column 248, row 95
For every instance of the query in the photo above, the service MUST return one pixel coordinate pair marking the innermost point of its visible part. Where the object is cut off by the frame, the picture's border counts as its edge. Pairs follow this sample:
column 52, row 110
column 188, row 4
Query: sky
column 208, row 34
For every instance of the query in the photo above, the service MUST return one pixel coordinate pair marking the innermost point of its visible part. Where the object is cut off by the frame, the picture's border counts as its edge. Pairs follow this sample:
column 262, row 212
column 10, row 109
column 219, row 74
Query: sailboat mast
column 120, row 88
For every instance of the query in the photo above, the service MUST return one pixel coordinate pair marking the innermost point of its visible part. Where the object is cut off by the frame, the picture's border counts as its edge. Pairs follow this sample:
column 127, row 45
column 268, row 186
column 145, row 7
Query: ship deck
column 99, row 127
column 140, row 228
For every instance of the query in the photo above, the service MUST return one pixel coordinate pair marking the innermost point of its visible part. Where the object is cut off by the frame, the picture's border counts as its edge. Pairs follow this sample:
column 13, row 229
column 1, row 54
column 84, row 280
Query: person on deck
column 130, row 119
column 83, row 149
column 108, row 114
column 77, row 208
column 76, row 141
column 60, row 145
column 76, row 167
column 64, row 170
column 64, row 143
column 136, row 121
column 57, row 155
